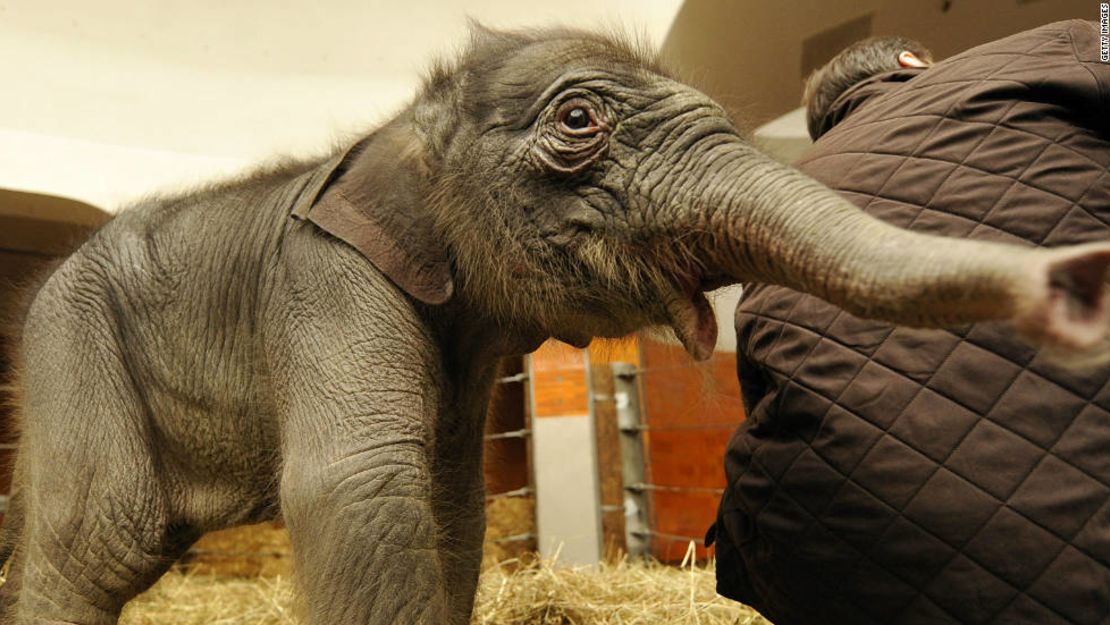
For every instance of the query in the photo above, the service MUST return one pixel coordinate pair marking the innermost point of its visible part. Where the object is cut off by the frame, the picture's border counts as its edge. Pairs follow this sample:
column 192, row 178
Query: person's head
column 855, row 63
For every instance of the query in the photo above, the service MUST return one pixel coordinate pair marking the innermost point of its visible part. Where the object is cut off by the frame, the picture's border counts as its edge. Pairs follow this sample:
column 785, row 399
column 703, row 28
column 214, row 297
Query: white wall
column 105, row 101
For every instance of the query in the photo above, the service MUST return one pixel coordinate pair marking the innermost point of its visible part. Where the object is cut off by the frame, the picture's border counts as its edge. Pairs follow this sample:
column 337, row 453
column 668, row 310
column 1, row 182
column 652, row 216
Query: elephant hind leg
column 93, row 538
column 12, row 528
column 10, row 534
column 97, row 525
column 86, row 576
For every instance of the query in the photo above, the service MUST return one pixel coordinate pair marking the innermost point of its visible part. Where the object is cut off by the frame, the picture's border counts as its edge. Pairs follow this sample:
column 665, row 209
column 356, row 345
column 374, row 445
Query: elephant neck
column 468, row 335
column 471, row 350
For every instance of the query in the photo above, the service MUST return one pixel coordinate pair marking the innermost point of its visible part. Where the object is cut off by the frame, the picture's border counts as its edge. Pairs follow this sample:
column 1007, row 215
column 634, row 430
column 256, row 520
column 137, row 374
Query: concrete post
column 564, row 455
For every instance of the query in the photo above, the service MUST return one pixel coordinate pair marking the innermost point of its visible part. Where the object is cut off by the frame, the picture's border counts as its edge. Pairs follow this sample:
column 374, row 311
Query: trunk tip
column 1070, row 316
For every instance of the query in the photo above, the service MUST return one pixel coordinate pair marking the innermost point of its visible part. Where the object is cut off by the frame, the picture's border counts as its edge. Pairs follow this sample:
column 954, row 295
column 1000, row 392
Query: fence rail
column 671, row 537
column 519, row 492
column 515, row 538
column 525, row 433
column 640, row 486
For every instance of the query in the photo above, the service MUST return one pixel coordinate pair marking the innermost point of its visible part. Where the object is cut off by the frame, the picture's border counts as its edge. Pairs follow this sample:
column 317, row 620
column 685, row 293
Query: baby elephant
column 317, row 341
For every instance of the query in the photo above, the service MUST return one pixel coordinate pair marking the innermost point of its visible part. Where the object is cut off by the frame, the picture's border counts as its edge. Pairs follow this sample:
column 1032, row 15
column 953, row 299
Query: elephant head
column 564, row 184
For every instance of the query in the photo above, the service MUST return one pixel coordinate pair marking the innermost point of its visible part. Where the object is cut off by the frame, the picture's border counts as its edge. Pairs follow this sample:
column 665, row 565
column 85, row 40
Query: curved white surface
column 106, row 101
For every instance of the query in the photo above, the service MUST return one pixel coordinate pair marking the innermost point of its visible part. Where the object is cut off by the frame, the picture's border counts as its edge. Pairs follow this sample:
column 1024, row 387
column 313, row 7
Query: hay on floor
column 624, row 593
column 260, row 550
column 511, row 593
column 183, row 598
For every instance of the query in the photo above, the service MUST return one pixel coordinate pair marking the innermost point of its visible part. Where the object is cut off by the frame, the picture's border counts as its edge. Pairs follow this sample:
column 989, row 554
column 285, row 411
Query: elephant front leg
column 460, row 506
column 365, row 537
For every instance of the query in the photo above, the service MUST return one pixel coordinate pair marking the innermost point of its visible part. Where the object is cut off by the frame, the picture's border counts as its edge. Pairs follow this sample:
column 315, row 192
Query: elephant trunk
column 770, row 223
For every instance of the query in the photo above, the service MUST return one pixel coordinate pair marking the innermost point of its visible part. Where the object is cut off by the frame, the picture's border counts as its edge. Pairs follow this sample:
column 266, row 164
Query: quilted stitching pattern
column 900, row 466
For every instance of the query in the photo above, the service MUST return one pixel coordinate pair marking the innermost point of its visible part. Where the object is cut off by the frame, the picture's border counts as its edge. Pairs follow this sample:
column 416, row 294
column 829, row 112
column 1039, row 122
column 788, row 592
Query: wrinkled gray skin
column 209, row 360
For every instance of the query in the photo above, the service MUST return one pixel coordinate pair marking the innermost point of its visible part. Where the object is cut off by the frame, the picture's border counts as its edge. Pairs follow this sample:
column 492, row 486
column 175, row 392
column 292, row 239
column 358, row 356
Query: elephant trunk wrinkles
column 771, row 223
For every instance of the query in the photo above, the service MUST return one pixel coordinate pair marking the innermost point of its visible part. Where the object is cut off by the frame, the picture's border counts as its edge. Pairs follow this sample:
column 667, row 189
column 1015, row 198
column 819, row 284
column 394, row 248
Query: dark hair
column 857, row 62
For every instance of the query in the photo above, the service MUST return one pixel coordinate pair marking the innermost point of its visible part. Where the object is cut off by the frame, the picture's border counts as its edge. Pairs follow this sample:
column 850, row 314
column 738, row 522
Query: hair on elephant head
column 566, row 184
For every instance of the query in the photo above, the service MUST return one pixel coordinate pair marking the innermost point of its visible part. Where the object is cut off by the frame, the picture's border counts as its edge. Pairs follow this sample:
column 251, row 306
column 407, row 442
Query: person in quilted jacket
column 889, row 475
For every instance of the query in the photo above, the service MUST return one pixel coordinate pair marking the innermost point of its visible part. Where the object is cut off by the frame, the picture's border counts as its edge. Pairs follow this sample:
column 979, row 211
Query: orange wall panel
column 679, row 392
column 560, row 385
column 681, row 514
column 688, row 458
column 691, row 410
column 608, row 351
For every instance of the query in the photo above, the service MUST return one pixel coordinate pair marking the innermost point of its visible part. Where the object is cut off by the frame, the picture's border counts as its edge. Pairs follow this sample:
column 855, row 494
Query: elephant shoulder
column 325, row 284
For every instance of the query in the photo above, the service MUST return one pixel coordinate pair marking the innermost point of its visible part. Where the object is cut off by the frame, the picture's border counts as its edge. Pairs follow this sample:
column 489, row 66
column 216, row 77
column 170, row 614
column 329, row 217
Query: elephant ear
column 375, row 198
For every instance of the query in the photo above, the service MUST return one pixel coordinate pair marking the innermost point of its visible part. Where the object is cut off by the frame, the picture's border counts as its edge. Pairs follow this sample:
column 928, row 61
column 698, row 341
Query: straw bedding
column 515, row 592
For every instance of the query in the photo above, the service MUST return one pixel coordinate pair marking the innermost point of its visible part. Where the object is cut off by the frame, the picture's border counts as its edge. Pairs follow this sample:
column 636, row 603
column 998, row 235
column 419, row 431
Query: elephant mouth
column 691, row 315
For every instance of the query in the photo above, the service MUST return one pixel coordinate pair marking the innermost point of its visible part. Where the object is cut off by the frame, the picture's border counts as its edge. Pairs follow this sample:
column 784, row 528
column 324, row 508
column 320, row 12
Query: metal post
column 627, row 397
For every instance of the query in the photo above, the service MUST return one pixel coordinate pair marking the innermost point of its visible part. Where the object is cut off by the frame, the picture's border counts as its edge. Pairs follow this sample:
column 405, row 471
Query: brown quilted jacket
column 892, row 475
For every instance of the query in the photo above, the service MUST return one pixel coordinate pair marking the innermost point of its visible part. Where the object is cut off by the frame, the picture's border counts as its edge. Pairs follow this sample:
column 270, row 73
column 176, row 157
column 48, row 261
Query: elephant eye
column 574, row 138
column 577, row 117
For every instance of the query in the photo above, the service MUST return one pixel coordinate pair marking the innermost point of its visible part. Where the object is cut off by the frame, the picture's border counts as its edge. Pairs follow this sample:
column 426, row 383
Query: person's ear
column 909, row 60
column 377, row 201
